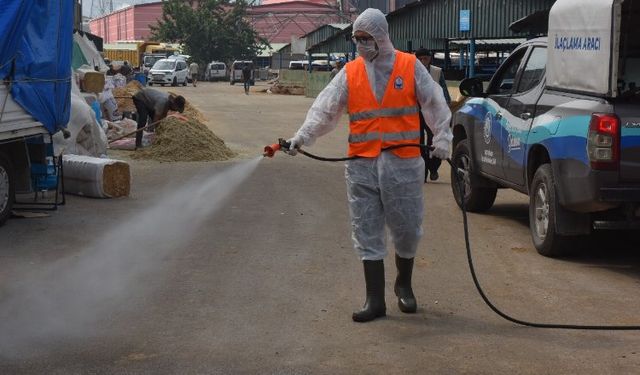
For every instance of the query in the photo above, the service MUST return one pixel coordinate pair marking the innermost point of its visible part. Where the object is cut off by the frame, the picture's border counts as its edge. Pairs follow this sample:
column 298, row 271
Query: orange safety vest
column 374, row 126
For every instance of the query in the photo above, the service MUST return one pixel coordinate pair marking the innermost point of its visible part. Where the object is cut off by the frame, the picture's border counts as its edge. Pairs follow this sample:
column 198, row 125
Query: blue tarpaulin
column 36, row 38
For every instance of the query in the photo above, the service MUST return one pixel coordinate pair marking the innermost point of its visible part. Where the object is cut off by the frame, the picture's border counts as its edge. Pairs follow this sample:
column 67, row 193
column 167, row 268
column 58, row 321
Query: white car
column 215, row 71
column 168, row 71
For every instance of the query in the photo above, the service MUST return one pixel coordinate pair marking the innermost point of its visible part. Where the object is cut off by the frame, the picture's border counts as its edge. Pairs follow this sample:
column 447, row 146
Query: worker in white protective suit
column 383, row 90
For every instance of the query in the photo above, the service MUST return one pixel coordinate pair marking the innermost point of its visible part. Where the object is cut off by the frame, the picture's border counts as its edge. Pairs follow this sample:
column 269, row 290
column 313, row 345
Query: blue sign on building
column 465, row 20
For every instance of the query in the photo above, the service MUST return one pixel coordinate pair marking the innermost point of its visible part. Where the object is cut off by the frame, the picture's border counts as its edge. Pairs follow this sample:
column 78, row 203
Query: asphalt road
column 266, row 282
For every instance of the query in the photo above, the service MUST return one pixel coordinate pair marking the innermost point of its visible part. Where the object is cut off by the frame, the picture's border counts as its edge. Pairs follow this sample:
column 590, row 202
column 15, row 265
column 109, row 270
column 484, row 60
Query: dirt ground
column 267, row 284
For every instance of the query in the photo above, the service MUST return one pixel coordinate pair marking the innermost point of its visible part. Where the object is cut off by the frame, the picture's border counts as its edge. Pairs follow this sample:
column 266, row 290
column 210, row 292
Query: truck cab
column 16, row 127
column 560, row 122
column 35, row 96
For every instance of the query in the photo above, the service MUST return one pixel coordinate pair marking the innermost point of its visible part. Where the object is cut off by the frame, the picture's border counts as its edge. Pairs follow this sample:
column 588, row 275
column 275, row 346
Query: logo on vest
column 398, row 84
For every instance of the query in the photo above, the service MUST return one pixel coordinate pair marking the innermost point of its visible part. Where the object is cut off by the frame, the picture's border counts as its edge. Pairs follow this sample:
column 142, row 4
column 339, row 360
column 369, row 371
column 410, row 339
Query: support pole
column 447, row 56
column 472, row 58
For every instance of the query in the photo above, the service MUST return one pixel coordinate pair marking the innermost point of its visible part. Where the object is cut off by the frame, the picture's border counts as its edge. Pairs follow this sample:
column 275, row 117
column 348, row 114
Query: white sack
column 86, row 135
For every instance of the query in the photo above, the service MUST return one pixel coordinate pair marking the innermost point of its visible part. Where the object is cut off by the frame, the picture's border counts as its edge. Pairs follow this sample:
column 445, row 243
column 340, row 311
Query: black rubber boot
column 374, row 307
column 406, row 300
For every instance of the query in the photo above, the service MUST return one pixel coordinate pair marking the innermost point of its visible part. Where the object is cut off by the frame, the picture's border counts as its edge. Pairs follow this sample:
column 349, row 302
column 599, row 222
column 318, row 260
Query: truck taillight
column 603, row 144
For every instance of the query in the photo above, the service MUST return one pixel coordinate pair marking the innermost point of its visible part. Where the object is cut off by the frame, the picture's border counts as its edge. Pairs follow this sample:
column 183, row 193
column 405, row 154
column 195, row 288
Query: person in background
column 384, row 91
column 153, row 106
column 246, row 76
column 431, row 163
column 339, row 65
column 111, row 71
column 193, row 72
column 127, row 71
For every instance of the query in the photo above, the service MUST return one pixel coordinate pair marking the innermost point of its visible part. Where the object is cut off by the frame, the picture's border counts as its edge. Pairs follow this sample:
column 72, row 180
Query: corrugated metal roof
column 432, row 23
column 278, row 22
column 323, row 33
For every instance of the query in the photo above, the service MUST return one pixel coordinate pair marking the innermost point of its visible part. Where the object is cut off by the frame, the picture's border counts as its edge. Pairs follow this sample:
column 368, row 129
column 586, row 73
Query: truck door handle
column 499, row 115
column 525, row 115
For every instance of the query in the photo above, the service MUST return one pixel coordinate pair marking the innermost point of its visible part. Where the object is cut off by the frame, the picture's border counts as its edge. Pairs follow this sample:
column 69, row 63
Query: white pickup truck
column 560, row 122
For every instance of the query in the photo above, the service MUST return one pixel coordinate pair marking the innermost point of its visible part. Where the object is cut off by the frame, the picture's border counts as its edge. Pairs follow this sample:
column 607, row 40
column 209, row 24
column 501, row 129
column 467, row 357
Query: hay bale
column 96, row 177
column 124, row 96
column 191, row 140
column 116, row 179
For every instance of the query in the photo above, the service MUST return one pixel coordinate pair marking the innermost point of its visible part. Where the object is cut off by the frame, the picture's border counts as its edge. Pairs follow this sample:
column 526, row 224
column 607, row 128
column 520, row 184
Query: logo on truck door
column 488, row 120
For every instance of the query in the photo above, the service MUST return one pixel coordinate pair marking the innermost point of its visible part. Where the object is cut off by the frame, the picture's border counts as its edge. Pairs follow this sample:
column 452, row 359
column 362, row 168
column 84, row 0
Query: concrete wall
column 313, row 83
column 293, row 77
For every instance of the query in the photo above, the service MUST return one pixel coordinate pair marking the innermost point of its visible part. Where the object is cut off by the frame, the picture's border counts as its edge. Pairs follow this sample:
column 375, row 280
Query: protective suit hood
column 373, row 22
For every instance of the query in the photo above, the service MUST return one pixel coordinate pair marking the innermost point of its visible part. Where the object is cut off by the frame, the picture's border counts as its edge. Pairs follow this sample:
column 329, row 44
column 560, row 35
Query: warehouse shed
column 435, row 24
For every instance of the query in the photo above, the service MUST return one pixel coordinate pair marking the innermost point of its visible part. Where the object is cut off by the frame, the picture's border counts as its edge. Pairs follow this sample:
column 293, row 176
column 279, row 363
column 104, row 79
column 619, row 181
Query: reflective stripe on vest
column 373, row 124
column 401, row 136
column 386, row 112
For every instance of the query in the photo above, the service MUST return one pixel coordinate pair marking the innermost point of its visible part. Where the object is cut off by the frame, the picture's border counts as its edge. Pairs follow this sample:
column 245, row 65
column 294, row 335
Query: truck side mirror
column 472, row 87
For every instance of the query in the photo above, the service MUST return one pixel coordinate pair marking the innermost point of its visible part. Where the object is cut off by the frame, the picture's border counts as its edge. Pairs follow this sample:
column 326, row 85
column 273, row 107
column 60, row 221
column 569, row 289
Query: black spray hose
column 459, row 175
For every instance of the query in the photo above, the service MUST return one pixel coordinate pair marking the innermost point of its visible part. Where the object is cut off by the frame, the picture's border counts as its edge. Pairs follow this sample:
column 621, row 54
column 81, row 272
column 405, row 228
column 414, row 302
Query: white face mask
column 368, row 51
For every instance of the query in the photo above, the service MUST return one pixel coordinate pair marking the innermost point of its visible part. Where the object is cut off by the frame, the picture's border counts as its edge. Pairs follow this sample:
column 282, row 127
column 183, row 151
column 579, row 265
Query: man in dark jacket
column 153, row 105
column 431, row 164
column 246, row 76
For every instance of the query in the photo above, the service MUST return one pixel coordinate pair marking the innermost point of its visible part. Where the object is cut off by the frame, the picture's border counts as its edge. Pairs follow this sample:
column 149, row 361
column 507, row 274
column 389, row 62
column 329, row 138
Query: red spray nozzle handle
column 270, row 151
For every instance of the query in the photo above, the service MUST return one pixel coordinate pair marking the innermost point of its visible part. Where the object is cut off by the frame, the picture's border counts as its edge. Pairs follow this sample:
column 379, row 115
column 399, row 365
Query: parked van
column 321, row 65
column 236, row 71
column 215, row 71
column 298, row 64
column 168, row 71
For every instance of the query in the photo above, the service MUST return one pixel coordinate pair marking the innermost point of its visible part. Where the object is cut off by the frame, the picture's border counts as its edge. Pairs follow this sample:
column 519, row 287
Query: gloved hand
column 296, row 142
column 440, row 150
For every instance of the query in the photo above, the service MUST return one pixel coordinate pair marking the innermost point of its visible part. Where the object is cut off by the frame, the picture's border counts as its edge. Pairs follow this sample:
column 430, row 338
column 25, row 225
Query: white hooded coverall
column 385, row 189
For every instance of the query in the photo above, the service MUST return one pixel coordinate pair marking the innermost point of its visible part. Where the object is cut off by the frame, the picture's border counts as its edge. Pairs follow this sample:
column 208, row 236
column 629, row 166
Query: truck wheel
column 477, row 198
column 542, row 214
column 6, row 189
